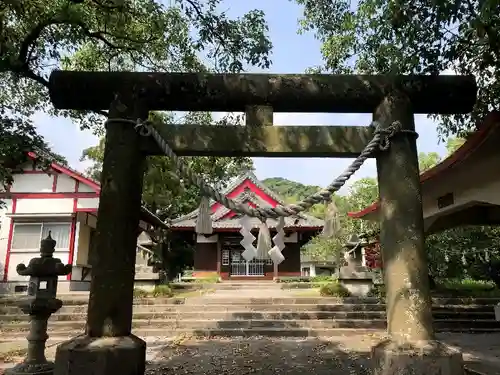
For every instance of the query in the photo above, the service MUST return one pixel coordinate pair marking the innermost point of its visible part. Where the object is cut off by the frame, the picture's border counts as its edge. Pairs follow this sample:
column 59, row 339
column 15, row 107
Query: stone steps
column 247, row 316
column 82, row 298
column 221, row 332
column 243, row 315
column 374, row 323
column 290, row 328
column 180, row 308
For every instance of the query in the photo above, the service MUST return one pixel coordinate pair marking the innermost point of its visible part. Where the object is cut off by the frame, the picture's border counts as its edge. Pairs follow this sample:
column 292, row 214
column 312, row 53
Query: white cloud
column 65, row 138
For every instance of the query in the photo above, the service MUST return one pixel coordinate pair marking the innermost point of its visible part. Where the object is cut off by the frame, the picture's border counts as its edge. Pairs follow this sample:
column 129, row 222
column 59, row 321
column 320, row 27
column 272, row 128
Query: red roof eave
column 463, row 152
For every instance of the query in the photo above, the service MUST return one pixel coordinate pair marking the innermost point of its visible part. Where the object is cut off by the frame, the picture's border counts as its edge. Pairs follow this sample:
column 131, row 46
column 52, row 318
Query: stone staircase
column 261, row 309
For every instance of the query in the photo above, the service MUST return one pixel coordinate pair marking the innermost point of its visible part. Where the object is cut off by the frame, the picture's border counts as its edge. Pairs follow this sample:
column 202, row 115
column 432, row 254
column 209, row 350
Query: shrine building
column 221, row 251
column 464, row 188
column 63, row 202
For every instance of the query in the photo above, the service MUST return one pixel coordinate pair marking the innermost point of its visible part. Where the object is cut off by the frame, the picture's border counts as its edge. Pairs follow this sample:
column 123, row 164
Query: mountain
column 290, row 191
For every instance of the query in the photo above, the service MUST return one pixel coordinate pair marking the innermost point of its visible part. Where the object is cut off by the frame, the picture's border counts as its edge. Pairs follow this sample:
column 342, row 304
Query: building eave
column 472, row 144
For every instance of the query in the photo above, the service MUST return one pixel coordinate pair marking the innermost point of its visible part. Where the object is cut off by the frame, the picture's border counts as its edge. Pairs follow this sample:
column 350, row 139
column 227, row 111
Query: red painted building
column 221, row 252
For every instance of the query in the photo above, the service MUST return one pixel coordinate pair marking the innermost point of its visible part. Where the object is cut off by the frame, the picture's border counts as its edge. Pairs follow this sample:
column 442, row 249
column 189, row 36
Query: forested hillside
column 290, row 190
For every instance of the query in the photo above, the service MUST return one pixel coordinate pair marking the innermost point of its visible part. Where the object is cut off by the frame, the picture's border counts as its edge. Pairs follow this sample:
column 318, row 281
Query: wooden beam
column 284, row 92
column 266, row 141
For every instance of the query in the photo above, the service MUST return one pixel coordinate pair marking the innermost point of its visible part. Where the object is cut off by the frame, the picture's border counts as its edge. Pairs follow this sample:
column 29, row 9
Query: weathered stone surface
column 420, row 358
column 409, row 306
column 83, row 355
column 268, row 141
column 283, row 92
column 111, row 288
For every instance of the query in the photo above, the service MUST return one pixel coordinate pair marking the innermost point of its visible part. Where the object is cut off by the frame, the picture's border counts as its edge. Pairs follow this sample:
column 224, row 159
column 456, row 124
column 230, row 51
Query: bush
column 467, row 288
column 321, row 279
column 207, row 280
column 162, row 291
column 294, row 279
column 377, row 291
column 334, row 290
column 140, row 293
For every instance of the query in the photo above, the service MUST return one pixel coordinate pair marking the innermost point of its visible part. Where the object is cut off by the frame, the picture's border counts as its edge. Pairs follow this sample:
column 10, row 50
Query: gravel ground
column 342, row 355
column 264, row 356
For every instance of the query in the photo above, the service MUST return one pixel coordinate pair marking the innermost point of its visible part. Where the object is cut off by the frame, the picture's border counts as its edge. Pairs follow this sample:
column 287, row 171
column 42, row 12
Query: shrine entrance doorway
column 240, row 267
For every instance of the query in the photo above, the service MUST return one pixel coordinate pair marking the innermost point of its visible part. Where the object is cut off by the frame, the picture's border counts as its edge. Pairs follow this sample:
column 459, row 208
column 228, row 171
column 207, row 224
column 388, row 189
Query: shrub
column 207, row 280
column 377, row 291
column 334, row 290
column 293, row 279
column 162, row 291
column 321, row 279
column 140, row 293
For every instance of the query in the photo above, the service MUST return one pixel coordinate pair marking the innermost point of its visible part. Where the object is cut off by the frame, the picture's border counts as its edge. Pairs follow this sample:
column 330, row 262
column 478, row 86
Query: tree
column 427, row 160
column 166, row 192
column 108, row 35
column 17, row 137
column 453, row 144
column 362, row 193
column 405, row 37
column 37, row 36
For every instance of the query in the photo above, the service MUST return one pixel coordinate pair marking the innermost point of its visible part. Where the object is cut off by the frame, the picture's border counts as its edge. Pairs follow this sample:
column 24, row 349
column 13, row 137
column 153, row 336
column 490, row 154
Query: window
column 269, row 261
column 225, row 257
column 27, row 237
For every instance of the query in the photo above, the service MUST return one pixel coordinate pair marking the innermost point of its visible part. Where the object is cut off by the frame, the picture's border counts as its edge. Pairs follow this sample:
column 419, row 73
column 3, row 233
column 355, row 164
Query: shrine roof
column 247, row 189
column 146, row 215
column 484, row 129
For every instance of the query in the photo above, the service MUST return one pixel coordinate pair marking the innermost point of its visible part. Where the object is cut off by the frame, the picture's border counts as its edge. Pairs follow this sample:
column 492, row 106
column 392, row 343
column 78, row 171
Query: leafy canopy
column 418, row 36
column 38, row 36
column 164, row 191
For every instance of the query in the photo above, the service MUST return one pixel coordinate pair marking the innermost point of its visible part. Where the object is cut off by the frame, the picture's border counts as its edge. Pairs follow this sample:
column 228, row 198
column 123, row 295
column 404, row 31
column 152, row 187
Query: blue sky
column 292, row 53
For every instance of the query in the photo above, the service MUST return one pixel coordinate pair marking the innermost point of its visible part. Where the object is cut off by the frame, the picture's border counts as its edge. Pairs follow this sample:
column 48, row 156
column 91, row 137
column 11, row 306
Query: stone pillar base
column 101, row 356
column 421, row 358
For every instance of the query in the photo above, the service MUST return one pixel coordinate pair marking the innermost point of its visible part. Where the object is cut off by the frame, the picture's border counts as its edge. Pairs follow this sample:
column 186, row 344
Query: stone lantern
column 40, row 304
column 356, row 278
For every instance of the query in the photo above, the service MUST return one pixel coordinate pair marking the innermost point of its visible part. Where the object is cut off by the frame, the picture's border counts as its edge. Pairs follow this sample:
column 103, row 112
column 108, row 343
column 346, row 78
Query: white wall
column 44, row 206
column 65, row 184
column 32, row 183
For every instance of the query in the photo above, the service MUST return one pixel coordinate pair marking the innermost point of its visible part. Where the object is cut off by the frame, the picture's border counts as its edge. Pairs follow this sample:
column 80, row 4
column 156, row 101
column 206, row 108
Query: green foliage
column 334, row 290
column 17, row 137
column 324, row 248
column 293, row 192
column 473, row 245
column 158, row 291
column 427, row 160
column 37, row 36
column 290, row 189
column 453, row 144
column 378, row 291
column 93, row 35
column 466, row 288
column 140, row 293
column 322, row 279
column 162, row 184
column 419, row 37
column 162, row 291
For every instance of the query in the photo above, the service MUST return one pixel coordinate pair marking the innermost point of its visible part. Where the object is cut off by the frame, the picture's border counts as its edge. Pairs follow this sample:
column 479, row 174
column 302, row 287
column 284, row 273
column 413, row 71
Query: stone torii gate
column 108, row 345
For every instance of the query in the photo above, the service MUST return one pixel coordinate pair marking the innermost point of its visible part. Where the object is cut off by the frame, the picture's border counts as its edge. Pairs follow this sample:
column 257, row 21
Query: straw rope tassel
column 204, row 219
column 264, row 243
